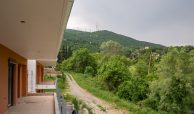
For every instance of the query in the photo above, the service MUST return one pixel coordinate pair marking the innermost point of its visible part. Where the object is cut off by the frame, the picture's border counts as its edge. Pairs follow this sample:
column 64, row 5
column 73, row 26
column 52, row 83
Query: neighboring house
column 30, row 30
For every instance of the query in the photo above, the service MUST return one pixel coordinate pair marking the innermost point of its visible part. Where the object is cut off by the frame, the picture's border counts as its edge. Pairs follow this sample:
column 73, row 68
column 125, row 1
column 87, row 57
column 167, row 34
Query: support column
column 31, row 76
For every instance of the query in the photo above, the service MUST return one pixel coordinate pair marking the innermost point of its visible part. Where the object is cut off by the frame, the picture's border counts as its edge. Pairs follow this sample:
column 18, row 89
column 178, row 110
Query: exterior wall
column 19, row 78
column 39, row 74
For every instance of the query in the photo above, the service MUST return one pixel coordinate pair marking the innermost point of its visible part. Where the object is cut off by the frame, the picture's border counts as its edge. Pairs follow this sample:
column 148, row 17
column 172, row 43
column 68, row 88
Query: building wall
column 39, row 74
column 19, row 79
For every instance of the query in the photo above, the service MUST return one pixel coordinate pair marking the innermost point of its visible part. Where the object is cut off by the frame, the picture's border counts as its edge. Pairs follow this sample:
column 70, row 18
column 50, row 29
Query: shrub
column 79, row 61
column 89, row 70
column 134, row 90
column 173, row 90
column 114, row 72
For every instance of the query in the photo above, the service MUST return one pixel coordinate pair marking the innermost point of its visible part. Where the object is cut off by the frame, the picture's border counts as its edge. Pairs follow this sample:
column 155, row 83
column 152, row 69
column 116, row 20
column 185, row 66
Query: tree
column 79, row 61
column 135, row 89
column 111, row 48
column 141, row 69
column 64, row 53
column 173, row 90
column 114, row 72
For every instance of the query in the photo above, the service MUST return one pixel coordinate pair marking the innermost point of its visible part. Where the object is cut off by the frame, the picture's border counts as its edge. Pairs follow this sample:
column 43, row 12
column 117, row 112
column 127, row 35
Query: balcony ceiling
column 34, row 28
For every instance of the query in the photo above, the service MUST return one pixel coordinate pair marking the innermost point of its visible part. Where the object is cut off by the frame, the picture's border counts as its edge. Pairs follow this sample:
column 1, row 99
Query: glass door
column 11, row 66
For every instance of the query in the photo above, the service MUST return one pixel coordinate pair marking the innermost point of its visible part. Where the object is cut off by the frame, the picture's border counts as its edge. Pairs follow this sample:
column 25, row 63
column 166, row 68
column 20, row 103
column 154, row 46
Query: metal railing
column 63, row 108
column 44, row 85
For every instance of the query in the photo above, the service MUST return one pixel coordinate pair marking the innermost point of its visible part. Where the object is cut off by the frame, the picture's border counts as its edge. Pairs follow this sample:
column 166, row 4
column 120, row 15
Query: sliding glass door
column 11, row 66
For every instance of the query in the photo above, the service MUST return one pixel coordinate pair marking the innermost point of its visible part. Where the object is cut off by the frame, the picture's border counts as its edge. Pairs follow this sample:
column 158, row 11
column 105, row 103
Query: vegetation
column 143, row 80
column 80, row 60
column 64, row 88
column 173, row 90
column 74, row 39
column 49, row 78
column 93, row 85
column 113, row 72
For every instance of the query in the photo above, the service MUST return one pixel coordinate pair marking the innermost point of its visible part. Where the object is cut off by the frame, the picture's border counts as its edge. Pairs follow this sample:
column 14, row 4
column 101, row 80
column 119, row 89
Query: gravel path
column 97, row 105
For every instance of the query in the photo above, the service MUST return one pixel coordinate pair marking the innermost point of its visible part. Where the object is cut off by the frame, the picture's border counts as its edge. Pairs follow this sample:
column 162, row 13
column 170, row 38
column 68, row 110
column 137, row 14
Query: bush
column 134, row 90
column 89, row 70
column 173, row 90
column 79, row 61
column 114, row 72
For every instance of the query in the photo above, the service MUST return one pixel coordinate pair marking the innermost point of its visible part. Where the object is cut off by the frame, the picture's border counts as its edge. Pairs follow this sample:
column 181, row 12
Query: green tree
column 111, row 48
column 141, row 69
column 114, row 72
column 173, row 90
column 79, row 61
column 136, row 89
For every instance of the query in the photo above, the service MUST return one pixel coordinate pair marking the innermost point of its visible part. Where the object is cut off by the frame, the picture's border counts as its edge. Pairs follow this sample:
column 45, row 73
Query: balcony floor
column 33, row 105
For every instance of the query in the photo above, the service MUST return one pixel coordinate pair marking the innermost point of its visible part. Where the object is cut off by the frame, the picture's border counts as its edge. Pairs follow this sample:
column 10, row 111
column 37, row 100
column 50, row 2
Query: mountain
column 92, row 40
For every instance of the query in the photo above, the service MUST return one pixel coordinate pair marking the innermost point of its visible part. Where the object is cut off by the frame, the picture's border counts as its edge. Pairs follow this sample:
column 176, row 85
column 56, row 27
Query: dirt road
column 97, row 105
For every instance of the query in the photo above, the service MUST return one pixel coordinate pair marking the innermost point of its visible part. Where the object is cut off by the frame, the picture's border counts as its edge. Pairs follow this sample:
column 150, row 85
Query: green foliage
column 49, row 78
column 150, row 78
column 141, row 69
column 113, row 72
column 75, row 39
column 111, row 48
column 93, row 85
column 136, row 89
column 76, row 104
column 79, row 61
column 173, row 90
column 64, row 53
column 89, row 70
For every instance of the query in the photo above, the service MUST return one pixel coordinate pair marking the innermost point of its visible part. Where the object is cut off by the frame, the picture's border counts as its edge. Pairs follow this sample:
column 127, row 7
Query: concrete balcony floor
column 34, row 105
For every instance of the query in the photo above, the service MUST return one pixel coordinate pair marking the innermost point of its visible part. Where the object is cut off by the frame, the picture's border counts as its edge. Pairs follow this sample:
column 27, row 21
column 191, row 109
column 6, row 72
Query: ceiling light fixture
column 22, row 21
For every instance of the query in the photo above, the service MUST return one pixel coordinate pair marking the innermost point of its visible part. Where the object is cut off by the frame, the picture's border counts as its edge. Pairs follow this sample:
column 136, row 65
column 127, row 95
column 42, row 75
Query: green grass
column 49, row 78
column 64, row 88
column 50, row 90
column 92, row 85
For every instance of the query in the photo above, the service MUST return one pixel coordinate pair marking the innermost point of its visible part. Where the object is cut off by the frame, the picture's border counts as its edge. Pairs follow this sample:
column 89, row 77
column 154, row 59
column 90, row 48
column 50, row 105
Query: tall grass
column 92, row 85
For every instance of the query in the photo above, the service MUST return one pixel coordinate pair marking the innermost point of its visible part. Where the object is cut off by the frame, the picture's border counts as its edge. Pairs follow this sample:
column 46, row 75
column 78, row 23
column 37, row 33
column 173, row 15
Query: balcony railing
column 62, row 105
column 46, row 85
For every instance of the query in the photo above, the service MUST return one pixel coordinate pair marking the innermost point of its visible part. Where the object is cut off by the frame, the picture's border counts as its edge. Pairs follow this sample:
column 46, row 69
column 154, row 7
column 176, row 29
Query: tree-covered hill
column 92, row 40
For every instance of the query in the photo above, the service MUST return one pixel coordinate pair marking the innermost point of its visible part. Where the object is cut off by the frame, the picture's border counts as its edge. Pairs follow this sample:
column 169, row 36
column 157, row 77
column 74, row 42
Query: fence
column 63, row 107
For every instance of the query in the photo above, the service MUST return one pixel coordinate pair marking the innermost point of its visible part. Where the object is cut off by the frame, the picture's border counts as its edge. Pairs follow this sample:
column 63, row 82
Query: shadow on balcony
column 38, row 104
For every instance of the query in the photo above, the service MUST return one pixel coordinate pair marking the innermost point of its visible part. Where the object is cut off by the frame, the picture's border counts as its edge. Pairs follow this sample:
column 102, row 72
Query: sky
column 166, row 22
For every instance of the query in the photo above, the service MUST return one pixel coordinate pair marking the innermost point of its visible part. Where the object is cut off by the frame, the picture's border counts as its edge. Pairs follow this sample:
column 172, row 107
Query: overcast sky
column 167, row 22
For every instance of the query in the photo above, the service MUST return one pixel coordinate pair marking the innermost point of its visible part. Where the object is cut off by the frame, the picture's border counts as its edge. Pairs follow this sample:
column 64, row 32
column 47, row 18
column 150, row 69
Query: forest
column 159, row 79
column 74, row 39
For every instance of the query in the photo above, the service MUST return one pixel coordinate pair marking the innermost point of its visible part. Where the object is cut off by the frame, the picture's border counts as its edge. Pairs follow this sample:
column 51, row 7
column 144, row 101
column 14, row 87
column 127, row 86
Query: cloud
column 168, row 22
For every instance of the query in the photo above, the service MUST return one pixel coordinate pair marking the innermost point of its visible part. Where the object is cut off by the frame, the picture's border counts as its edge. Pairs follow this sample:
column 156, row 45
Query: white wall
column 31, row 76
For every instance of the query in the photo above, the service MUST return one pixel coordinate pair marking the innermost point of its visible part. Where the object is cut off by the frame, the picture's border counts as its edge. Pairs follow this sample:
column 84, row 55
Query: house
column 30, row 30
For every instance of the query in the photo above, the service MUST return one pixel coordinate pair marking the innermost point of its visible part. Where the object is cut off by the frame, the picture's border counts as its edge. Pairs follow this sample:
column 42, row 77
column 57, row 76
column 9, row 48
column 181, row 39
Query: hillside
column 92, row 40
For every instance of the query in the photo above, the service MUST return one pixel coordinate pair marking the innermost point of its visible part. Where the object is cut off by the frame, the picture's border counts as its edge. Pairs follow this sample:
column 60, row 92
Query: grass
column 64, row 88
column 92, row 85
column 50, row 90
column 101, row 108
column 49, row 78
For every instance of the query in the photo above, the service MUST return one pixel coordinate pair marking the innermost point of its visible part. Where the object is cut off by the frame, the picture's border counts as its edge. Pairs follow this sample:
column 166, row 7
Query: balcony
column 42, row 103
column 34, row 104
column 46, row 85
